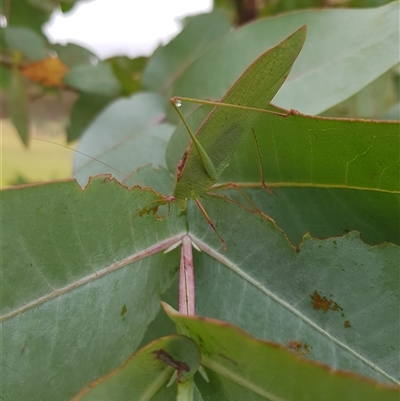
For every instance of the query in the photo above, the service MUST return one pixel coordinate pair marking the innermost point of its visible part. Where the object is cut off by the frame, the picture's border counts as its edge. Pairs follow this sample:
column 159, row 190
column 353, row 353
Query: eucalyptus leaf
column 373, row 101
column 97, row 79
column 330, row 176
column 168, row 62
column 241, row 367
column 72, row 54
column 345, row 50
column 339, row 295
column 26, row 41
column 82, row 277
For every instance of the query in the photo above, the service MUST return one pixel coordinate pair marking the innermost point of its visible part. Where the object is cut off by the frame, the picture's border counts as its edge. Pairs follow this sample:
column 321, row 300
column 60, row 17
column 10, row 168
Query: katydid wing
column 230, row 120
column 224, row 128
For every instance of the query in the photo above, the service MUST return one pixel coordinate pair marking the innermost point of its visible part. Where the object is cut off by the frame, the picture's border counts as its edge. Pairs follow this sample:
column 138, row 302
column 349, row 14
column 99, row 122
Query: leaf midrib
column 161, row 246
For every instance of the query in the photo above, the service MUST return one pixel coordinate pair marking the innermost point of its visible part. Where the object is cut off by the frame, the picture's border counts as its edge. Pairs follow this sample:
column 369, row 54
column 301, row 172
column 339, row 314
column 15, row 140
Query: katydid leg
column 261, row 165
column 209, row 221
column 205, row 159
column 178, row 99
column 234, row 186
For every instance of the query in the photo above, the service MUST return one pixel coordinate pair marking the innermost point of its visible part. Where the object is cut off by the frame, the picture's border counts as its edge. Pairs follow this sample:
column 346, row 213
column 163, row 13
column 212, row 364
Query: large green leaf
column 345, row 50
column 241, row 368
column 330, row 176
column 344, row 175
column 69, row 289
column 97, row 79
column 82, row 278
column 357, row 284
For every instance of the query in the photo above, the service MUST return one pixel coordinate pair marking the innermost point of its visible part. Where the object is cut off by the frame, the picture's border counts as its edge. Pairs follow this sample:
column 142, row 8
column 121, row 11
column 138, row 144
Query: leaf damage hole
column 167, row 358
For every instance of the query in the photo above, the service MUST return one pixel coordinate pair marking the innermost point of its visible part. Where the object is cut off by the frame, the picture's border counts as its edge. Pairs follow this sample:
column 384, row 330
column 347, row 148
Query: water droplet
column 178, row 103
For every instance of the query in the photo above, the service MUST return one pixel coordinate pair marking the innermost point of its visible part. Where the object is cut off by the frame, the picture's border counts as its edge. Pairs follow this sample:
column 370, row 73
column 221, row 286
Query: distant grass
column 40, row 162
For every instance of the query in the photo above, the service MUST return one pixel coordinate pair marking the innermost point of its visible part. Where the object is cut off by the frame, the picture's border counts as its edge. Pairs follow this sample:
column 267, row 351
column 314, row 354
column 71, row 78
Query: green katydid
column 228, row 123
column 231, row 119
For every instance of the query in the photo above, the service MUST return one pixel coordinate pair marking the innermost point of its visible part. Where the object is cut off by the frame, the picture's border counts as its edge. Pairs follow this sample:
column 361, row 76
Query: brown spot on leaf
column 307, row 348
column 123, row 310
column 301, row 348
column 347, row 324
column 167, row 358
column 323, row 303
column 294, row 344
